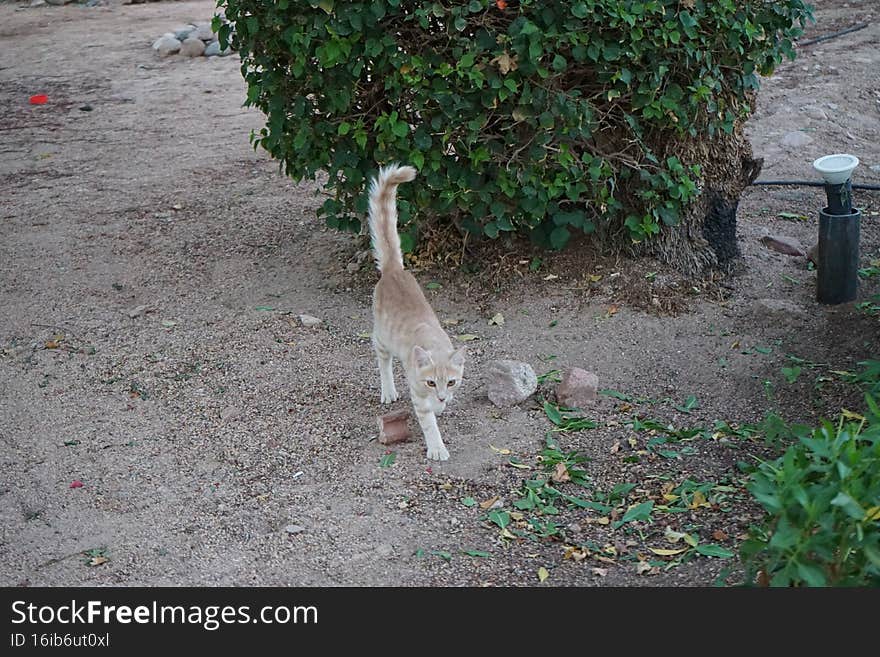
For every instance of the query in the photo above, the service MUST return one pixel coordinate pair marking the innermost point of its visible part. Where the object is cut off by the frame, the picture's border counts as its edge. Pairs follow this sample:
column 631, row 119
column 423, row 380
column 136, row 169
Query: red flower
column 39, row 99
column 76, row 484
column 501, row 4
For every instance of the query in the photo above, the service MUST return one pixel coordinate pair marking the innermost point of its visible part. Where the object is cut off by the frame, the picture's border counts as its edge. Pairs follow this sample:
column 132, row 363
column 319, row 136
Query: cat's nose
column 443, row 399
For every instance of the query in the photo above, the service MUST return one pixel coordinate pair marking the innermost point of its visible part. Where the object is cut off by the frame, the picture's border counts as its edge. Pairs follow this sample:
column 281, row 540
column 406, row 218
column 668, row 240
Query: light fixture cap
column 836, row 169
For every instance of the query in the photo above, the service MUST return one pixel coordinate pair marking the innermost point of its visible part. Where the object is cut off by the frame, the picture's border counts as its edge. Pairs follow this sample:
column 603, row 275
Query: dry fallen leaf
column 719, row 535
column 488, row 503
column 595, row 278
column 601, row 572
column 560, row 474
column 97, row 561
column 505, row 63
column 500, row 450
column 551, row 277
column 516, row 515
column 735, row 345
column 643, row 567
column 52, row 344
column 612, row 310
column 497, row 320
column 543, row 574
column 467, row 337
column 664, row 552
column 615, row 447
column 699, row 500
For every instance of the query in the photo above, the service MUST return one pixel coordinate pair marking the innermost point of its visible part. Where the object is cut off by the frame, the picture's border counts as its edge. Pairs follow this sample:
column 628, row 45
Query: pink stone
column 393, row 427
column 578, row 388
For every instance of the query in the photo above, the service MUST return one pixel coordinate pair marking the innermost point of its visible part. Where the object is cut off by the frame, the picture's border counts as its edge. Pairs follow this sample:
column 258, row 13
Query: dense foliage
column 550, row 118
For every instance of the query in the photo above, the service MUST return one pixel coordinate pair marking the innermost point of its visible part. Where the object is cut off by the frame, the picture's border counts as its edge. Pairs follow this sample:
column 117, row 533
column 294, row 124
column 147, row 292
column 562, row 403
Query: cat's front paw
column 389, row 396
column 438, row 453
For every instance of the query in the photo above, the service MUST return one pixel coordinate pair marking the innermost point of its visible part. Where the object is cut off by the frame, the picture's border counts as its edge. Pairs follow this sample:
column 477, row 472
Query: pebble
column 510, row 382
column 137, row 311
column 294, row 529
column 229, row 413
column 204, row 32
column 308, row 320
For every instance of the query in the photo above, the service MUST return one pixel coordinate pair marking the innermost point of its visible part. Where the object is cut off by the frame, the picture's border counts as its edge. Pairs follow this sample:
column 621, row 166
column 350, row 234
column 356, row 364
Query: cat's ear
column 457, row 357
column 421, row 358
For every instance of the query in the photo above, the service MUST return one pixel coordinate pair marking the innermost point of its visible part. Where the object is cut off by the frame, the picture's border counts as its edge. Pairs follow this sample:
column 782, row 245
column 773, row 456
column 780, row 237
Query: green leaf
column 476, row 553
column 553, row 413
column 852, row 508
column 499, row 517
column 387, row 460
column 446, row 556
column 712, row 550
column 638, row 512
column 433, row 286
column 559, row 237
column 468, row 501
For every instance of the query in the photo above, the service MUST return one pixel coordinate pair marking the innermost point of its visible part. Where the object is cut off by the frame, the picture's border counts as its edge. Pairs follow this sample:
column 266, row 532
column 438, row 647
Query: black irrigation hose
column 825, row 37
column 812, row 183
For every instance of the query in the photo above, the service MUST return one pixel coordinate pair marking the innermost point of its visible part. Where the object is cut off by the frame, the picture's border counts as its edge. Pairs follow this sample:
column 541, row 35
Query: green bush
column 822, row 499
column 550, row 118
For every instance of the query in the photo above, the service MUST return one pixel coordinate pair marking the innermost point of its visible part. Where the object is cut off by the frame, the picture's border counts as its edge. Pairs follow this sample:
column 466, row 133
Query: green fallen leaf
column 264, row 308
column 442, row 554
column 476, row 553
column 388, row 460
column 433, row 286
column 467, row 337
column 468, row 501
column 713, row 550
column 500, row 518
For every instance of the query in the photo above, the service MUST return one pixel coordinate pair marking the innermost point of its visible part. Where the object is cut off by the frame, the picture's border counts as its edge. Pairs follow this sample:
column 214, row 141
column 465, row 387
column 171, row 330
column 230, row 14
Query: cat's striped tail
column 383, row 215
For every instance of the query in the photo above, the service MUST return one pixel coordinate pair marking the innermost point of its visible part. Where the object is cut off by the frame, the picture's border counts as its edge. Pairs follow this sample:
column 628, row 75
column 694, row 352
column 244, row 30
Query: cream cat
column 404, row 325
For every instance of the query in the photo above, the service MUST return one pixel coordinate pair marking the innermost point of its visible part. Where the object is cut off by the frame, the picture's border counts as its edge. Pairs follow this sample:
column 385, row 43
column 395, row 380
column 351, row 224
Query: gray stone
column 58, row 3
column 167, row 46
column 308, row 320
column 352, row 267
column 137, row 312
column 816, row 113
column 158, row 42
column 796, row 139
column 212, row 49
column 37, row 3
column 229, row 413
column 875, row 168
column 294, row 529
column 192, row 47
column 778, row 308
column 784, row 245
column 204, row 32
column 183, row 32
column 511, row 382
column 578, row 388
column 384, row 550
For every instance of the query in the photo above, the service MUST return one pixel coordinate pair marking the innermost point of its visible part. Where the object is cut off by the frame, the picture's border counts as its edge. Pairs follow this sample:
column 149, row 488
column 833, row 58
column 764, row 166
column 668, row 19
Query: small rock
column 308, row 320
column 578, row 388
column 204, row 32
column 384, row 550
column 816, row 113
column 294, row 529
column 138, row 311
column 58, row 3
column 229, row 413
column 875, row 168
column 86, row 108
column 796, row 139
column 778, row 308
column 183, row 32
column 813, row 254
column 212, row 49
column 784, row 245
column 352, row 267
column 511, row 382
column 167, row 46
column 393, row 427
column 37, row 3
column 192, row 47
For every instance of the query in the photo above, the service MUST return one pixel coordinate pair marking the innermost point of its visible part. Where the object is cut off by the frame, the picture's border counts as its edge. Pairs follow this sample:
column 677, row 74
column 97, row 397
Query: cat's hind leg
column 386, row 374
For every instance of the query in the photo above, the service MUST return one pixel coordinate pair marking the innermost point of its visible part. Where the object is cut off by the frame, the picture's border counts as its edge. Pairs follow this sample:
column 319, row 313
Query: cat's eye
column 451, row 383
column 431, row 384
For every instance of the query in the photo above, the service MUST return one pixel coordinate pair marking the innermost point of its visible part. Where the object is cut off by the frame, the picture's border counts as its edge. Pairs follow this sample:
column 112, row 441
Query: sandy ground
column 189, row 420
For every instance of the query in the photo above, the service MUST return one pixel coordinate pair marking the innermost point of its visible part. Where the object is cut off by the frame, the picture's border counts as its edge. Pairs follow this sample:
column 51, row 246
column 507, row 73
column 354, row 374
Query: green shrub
column 822, row 499
column 550, row 118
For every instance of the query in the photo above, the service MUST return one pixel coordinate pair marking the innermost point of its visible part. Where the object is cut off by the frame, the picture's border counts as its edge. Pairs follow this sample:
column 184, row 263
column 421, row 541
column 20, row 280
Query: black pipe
column 833, row 35
column 837, row 259
column 811, row 183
